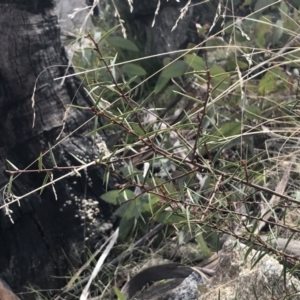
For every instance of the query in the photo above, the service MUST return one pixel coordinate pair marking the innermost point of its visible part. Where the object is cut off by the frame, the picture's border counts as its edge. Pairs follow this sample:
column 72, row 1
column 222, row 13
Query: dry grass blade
column 85, row 292
column 77, row 274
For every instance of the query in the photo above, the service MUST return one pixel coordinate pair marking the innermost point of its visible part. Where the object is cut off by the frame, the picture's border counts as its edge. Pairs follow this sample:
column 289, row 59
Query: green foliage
column 161, row 83
column 116, row 197
column 200, row 143
column 176, row 69
column 172, row 70
column 193, row 134
column 220, row 79
column 273, row 81
column 195, row 62
column 220, row 87
column 122, row 43
column 119, row 294
column 133, row 70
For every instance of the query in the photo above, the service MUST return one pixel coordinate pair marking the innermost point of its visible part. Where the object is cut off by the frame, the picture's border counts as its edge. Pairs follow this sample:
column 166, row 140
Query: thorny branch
column 150, row 147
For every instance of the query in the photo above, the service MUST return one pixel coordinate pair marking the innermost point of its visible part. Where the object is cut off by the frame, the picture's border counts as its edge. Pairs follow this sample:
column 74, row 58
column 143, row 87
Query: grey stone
column 187, row 290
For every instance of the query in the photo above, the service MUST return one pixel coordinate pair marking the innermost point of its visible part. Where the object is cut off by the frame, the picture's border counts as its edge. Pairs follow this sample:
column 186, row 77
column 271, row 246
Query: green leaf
column 12, row 165
column 126, row 226
column 166, row 61
column 130, row 209
column 264, row 31
column 46, row 178
column 247, row 2
column 169, row 218
column 119, row 294
column 155, row 181
column 277, row 32
column 117, row 197
column 293, row 58
column 242, row 64
column 224, row 137
column 176, row 69
column 252, row 112
column 271, row 81
column 133, row 70
column 137, row 128
column 111, row 197
column 261, row 5
column 134, row 208
column 229, row 26
column 122, row 43
column 160, row 84
column 126, row 195
column 11, row 177
column 284, row 10
column 195, row 62
column 147, row 201
column 52, row 156
column 203, row 246
column 229, row 129
column 109, row 32
column 231, row 60
column 229, row 144
column 220, row 79
column 79, row 160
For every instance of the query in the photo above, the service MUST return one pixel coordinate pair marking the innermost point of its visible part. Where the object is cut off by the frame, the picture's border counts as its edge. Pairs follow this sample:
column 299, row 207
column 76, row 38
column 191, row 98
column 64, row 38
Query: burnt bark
column 153, row 24
column 42, row 237
column 164, row 26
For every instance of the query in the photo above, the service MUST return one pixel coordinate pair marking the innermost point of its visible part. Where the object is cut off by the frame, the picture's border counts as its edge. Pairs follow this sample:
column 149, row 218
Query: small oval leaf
column 220, row 79
column 117, row 197
column 176, row 69
column 160, row 84
column 195, row 62
column 122, row 43
column 133, row 70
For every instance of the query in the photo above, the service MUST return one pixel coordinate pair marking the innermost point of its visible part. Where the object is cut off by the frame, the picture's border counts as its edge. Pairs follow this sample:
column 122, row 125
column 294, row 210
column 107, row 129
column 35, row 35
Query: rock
column 240, row 278
column 188, row 289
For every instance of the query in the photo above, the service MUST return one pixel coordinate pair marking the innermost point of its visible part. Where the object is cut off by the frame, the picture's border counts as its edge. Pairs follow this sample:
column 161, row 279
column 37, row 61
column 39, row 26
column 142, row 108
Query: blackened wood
column 48, row 235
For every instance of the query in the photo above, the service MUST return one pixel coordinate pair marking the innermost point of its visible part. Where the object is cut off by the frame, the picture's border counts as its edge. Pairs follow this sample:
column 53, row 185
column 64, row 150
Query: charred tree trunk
column 46, row 233
column 168, row 25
